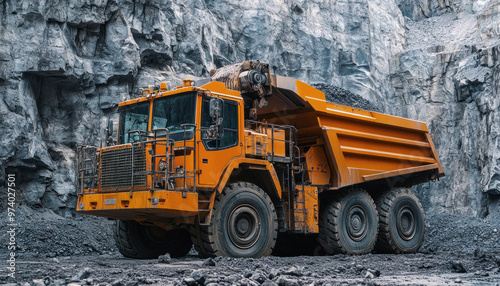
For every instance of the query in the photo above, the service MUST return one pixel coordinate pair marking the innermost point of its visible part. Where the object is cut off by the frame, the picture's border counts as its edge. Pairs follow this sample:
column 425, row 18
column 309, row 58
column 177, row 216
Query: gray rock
column 165, row 258
column 248, row 282
column 259, row 276
column 369, row 275
column 189, row 281
column 294, row 271
column 359, row 268
column 458, row 267
column 82, row 274
column 38, row 282
column 373, row 273
column 200, row 276
column 283, row 281
column 209, row 262
column 232, row 279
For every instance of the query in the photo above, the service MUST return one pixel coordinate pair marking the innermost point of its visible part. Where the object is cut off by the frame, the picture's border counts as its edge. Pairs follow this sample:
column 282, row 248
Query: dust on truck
column 230, row 164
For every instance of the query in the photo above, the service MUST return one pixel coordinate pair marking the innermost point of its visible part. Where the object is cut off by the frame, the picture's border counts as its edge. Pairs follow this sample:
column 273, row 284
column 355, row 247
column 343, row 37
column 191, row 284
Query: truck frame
column 230, row 164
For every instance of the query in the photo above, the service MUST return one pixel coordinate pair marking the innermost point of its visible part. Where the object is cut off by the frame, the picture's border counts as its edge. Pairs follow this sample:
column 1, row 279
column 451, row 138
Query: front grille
column 116, row 168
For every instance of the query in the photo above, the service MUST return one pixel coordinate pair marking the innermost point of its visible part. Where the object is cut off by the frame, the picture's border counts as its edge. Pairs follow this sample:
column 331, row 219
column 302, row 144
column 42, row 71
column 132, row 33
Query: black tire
column 402, row 222
column 146, row 242
column 243, row 224
column 349, row 224
column 195, row 231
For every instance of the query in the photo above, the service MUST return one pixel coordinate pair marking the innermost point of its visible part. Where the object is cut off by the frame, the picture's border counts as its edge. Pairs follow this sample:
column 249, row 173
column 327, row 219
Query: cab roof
column 212, row 87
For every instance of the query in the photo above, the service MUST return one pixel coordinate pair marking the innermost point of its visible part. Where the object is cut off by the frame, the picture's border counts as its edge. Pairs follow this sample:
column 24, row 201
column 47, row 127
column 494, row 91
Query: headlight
column 162, row 165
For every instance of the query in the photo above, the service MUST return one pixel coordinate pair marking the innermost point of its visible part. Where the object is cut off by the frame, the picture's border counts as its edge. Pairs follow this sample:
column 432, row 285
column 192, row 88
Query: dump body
column 346, row 146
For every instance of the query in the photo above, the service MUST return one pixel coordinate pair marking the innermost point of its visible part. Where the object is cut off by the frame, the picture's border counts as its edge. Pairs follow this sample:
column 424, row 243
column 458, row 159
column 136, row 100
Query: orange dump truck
column 243, row 163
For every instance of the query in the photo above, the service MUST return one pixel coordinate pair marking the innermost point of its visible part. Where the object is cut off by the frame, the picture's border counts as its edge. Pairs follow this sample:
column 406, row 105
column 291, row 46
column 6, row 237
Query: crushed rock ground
column 458, row 250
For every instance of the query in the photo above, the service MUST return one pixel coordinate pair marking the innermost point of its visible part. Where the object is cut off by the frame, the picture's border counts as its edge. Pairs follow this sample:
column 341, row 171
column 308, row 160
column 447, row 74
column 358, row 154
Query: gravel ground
column 43, row 234
column 458, row 250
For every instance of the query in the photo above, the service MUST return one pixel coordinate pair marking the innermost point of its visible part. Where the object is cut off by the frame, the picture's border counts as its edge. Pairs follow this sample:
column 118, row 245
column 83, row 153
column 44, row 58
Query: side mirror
column 216, row 108
column 216, row 129
column 109, row 130
column 109, row 134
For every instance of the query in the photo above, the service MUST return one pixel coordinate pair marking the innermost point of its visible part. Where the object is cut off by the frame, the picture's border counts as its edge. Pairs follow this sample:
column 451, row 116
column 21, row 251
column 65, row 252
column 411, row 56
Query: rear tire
column 402, row 222
column 243, row 224
column 349, row 224
column 146, row 242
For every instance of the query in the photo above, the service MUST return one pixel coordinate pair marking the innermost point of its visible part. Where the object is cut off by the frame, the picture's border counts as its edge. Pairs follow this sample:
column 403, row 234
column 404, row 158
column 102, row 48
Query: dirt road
column 376, row 269
column 458, row 250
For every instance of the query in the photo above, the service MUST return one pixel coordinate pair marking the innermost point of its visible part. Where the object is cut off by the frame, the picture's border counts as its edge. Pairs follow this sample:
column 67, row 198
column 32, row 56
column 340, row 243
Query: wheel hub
column 356, row 223
column 406, row 223
column 244, row 226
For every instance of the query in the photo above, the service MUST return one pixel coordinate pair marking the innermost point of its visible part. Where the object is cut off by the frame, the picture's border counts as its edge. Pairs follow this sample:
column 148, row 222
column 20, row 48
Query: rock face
column 65, row 65
column 448, row 76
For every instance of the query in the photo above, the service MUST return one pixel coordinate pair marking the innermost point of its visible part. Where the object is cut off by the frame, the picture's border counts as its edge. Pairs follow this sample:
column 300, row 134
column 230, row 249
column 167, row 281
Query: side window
column 230, row 115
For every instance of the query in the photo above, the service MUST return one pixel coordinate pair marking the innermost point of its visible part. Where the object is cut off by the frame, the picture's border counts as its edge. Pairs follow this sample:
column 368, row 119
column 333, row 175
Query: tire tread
column 204, row 234
column 385, row 242
column 329, row 236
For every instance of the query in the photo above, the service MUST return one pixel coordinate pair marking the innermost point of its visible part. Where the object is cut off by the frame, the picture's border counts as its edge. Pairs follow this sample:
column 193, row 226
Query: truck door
column 215, row 154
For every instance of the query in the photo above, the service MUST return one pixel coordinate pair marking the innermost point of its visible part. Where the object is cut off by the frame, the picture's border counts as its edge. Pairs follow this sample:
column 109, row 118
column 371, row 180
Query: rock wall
column 448, row 76
column 65, row 65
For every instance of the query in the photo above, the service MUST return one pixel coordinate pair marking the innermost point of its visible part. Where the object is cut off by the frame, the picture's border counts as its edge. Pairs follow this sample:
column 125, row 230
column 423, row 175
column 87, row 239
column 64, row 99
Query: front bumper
column 139, row 205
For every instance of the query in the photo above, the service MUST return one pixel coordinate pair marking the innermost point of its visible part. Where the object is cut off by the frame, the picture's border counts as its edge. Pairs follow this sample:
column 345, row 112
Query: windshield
column 133, row 118
column 172, row 111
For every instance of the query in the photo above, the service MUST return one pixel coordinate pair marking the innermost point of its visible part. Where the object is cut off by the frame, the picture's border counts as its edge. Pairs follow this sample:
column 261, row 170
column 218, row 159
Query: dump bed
column 359, row 145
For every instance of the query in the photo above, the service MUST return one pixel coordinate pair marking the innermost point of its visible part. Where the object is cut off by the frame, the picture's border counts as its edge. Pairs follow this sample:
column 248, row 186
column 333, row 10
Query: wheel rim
column 244, row 226
column 405, row 223
column 356, row 223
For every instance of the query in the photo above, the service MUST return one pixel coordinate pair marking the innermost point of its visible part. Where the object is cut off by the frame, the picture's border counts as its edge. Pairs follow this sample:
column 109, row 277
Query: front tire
column 243, row 224
column 147, row 242
column 402, row 222
column 349, row 224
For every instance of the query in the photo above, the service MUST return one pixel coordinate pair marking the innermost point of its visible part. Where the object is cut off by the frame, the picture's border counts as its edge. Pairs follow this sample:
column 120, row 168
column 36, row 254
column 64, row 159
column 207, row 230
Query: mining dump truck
column 232, row 163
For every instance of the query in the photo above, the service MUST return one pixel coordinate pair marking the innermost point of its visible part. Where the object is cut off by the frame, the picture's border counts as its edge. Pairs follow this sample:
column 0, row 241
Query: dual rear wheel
column 402, row 222
column 354, row 223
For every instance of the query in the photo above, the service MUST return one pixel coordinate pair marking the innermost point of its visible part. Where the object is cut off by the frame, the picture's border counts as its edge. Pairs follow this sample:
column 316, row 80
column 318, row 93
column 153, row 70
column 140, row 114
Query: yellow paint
column 317, row 166
column 120, row 205
column 305, row 210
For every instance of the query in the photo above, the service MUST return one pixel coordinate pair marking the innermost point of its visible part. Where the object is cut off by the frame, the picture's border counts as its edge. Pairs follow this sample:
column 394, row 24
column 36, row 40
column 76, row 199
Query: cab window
column 172, row 111
column 230, row 125
column 133, row 118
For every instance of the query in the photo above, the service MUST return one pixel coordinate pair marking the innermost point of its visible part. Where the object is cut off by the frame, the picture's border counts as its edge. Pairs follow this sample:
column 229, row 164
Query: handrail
column 184, row 126
column 290, row 140
column 87, row 167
